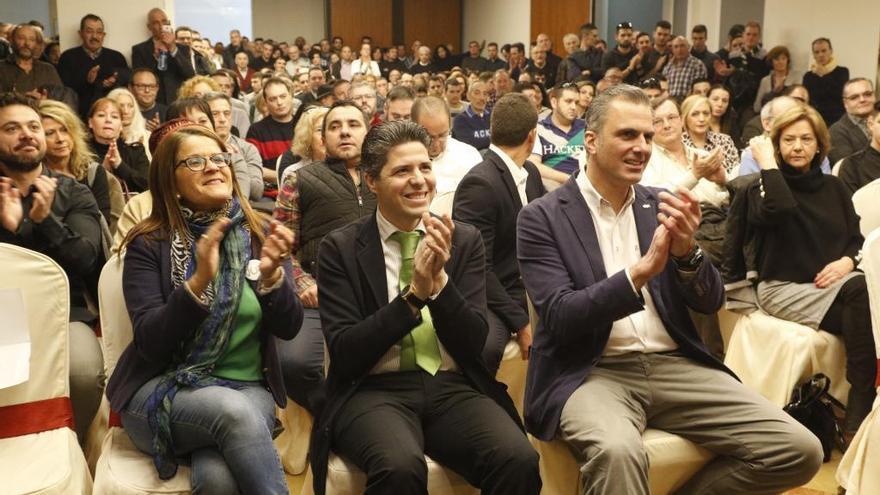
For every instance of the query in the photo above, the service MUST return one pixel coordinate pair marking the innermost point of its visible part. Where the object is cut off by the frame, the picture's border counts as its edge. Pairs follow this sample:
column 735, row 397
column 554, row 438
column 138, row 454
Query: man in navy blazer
column 611, row 268
column 177, row 66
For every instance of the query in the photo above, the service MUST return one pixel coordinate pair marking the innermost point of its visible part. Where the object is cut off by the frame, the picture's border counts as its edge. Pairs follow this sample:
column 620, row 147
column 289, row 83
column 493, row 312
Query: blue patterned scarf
column 196, row 358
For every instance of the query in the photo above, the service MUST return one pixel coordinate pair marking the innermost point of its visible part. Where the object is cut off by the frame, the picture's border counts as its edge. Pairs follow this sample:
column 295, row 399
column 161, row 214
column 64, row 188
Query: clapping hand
column 11, row 212
column 43, row 197
column 112, row 158
column 208, row 256
column 762, row 151
column 276, row 249
column 153, row 122
column 681, row 216
column 707, row 165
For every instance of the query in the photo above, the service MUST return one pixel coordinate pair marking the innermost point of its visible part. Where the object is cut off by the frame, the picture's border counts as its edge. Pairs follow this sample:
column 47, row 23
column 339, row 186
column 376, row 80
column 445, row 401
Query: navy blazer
column 360, row 324
column 163, row 316
column 577, row 302
column 179, row 68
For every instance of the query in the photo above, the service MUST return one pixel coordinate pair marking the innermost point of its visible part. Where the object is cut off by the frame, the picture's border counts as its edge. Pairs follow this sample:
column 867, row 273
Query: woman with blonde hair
column 134, row 126
column 307, row 145
column 204, row 282
column 128, row 162
column 198, row 86
column 68, row 153
column 808, row 239
column 697, row 113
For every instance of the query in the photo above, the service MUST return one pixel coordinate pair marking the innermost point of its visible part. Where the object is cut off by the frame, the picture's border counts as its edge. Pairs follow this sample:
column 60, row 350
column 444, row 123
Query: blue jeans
column 226, row 432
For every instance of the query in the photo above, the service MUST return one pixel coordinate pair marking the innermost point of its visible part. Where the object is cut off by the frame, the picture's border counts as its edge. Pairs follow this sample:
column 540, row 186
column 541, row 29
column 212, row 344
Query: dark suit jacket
column 162, row 317
column 846, row 139
column 180, row 68
column 360, row 324
column 577, row 302
column 487, row 199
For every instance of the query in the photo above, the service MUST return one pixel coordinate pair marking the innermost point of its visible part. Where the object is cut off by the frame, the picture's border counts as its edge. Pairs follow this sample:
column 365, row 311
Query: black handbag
column 813, row 407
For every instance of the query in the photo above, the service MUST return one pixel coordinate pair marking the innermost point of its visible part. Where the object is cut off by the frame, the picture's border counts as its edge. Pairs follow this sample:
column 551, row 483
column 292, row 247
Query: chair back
column 46, row 295
column 835, row 170
column 871, row 266
column 442, row 203
column 115, row 323
column 867, row 206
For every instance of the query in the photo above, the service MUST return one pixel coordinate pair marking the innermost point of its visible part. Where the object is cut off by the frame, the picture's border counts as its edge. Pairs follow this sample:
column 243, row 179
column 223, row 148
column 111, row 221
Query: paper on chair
column 15, row 340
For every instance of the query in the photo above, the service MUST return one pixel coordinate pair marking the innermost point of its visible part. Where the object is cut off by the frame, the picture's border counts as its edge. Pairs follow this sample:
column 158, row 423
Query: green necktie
column 418, row 349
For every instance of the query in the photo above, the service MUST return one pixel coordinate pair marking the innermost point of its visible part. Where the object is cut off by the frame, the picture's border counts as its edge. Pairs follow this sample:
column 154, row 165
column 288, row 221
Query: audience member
column 682, row 69
column 307, row 145
column 145, row 88
column 203, row 348
column 493, row 61
column 365, row 64
column 559, row 149
column 272, row 135
column 246, row 161
column 723, row 118
column 23, row 72
column 92, row 69
column 232, row 50
column 490, row 197
column 638, row 362
column 49, row 212
column 183, row 35
column 452, row 95
column 863, row 167
column 398, row 104
column 243, row 72
column 795, row 205
column 698, row 134
column 423, row 63
column 408, row 378
column 622, row 54
column 850, row 133
column 364, row 95
column 134, row 126
column 474, row 61
column 699, row 35
column 825, row 81
column 169, row 60
column 312, row 202
column 700, row 86
column 226, row 79
column 780, row 77
column 127, row 162
column 473, row 125
column 390, row 62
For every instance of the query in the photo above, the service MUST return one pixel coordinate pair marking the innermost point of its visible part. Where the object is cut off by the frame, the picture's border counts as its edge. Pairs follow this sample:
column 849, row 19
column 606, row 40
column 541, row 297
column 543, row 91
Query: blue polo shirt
column 560, row 150
column 472, row 129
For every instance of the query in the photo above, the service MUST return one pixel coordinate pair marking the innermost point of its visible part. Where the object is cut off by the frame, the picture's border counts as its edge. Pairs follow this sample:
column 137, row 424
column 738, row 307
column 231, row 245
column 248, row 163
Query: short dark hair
column 493, row 44
column 9, row 98
column 700, row 28
column 821, row 40
column 588, row 27
column 663, row 25
column 88, row 17
column 181, row 106
column 736, row 31
column 380, row 140
column 182, row 28
column 339, row 104
column 513, row 118
column 400, row 93
column 557, row 90
column 699, row 80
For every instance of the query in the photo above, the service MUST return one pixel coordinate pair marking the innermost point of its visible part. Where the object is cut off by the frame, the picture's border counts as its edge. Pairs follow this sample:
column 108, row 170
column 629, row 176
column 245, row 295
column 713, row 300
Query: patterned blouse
column 730, row 155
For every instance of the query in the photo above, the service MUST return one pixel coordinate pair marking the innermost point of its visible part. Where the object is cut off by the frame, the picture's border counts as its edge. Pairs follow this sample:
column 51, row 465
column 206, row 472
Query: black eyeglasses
column 624, row 25
column 567, row 85
column 198, row 163
column 651, row 82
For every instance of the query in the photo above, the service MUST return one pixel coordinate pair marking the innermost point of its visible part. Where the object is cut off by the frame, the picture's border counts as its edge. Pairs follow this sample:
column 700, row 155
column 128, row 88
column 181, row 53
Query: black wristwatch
column 690, row 261
column 409, row 296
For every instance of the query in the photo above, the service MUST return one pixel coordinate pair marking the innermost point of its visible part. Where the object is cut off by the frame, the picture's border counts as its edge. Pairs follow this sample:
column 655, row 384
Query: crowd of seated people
column 289, row 185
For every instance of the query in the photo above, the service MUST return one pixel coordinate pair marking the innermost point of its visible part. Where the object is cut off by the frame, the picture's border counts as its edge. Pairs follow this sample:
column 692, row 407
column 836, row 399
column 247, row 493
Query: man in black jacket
column 490, row 197
column 403, row 309
column 170, row 60
column 92, row 69
column 850, row 134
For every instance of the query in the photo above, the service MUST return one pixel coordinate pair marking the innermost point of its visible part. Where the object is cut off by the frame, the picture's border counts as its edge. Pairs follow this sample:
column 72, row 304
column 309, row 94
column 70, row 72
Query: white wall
column 708, row 13
column 124, row 21
column 853, row 26
column 501, row 21
column 19, row 12
column 286, row 19
column 215, row 18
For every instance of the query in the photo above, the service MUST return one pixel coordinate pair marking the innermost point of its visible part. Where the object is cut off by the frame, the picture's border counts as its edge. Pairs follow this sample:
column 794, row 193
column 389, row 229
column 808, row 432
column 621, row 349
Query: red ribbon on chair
column 877, row 381
column 114, row 419
column 35, row 417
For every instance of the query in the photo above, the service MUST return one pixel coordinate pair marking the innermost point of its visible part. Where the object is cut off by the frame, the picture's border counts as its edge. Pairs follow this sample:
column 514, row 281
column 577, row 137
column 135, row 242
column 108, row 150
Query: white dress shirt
column 664, row 170
column 618, row 238
column 360, row 67
column 520, row 174
column 390, row 361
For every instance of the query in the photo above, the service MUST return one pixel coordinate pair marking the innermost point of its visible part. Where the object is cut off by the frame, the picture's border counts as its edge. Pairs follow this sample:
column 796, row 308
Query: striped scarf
column 196, row 358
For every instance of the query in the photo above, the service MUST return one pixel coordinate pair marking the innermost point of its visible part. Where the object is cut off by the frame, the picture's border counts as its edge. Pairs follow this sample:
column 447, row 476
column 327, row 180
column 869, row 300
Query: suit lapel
column 645, row 214
column 578, row 214
column 371, row 261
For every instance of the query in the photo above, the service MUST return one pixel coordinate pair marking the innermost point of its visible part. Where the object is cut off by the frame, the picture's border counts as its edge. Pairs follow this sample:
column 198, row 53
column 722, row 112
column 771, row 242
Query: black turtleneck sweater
column 802, row 222
column 134, row 166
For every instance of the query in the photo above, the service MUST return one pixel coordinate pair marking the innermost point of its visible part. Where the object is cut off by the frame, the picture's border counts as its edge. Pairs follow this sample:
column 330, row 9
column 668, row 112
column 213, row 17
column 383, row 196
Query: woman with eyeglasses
column 696, row 112
column 205, row 287
column 808, row 239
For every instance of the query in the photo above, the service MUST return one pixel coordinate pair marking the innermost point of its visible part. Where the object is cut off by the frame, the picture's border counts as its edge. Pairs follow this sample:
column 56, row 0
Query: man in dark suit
column 403, row 310
column 170, row 60
column 490, row 197
column 612, row 268
column 850, row 134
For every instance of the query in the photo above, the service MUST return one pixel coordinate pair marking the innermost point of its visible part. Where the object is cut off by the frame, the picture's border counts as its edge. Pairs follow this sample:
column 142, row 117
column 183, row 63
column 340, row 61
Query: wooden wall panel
column 557, row 18
column 353, row 19
column 432, row 22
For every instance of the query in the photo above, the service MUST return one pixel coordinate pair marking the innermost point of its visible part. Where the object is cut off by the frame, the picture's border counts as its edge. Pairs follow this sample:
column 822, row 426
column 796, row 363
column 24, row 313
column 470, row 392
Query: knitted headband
column 167, row 129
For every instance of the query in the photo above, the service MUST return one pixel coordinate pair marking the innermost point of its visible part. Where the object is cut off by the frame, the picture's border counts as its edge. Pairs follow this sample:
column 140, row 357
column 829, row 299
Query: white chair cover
column 858, row 470
column 121, row 468
column 293, row 443
column 442, row 203
column 672, row 461
column 771, row 356
column 48, row 462
column 867, row 206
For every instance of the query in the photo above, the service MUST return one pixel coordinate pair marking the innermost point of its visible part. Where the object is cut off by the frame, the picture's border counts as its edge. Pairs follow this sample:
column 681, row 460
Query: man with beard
column 622, row 54
column 23, row 72
column 92, row 69
column 559, row 149
column 55, row 215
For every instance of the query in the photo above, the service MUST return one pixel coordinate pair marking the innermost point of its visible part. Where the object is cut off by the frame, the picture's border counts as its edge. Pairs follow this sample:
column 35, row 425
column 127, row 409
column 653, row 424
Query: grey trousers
column 760, row 448
column 86, row 376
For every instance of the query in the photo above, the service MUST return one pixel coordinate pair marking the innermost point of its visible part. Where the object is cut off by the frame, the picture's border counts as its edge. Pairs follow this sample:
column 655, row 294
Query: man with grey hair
column 364, row 95
column 612, row 268
column 451, row 158
column 23, row 72
column 169, row 60
column 423, row 63
column 683, row 69
column 403, row 309
column 770, row 110
column 472, row 126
